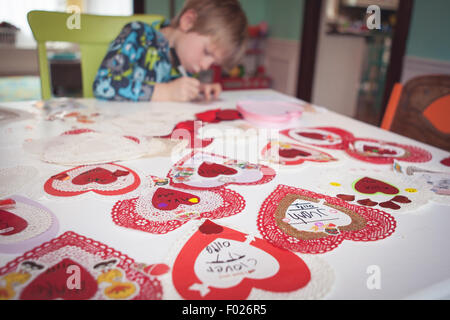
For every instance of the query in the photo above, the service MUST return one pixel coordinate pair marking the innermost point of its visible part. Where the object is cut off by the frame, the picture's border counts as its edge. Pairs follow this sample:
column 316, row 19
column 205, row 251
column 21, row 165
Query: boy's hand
column 211, row 90
column 182, row 89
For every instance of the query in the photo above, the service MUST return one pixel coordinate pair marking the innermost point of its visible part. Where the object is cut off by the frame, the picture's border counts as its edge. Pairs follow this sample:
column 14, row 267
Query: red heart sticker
column 368, row 185
column 229, row 264
column 169, row 199
column 212, row 170
column 10, row 223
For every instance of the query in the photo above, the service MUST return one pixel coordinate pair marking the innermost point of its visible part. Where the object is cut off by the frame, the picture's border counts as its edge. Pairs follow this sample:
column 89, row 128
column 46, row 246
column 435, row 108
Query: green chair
column 94, row 36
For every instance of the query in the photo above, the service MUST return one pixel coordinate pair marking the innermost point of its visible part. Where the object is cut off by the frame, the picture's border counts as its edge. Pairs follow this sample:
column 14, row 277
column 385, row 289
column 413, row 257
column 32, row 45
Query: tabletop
column 410, row 260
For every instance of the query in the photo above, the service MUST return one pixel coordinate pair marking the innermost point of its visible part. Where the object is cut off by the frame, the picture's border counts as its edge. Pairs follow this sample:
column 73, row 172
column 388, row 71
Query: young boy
column 142, row 62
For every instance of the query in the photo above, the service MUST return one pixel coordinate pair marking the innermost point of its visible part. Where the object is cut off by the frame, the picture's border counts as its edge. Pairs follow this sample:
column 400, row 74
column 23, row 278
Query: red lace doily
column 379, row 224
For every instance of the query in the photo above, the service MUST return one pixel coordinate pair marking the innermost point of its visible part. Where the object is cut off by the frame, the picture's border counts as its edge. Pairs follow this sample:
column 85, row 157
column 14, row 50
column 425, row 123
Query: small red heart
column 446, row 162
column 401, row 199
column 170, row 199
column 212, row 170
column 209, row 227
column 53, row 283
column 292, row 153
column 390, row 205
column 120, row 173
column 10, row 223
column 367, row 202
column 346, row 197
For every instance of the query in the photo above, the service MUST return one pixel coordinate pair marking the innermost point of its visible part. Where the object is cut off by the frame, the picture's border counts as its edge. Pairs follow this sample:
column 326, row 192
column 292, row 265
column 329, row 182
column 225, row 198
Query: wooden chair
column 420, row 109
column 94, row 36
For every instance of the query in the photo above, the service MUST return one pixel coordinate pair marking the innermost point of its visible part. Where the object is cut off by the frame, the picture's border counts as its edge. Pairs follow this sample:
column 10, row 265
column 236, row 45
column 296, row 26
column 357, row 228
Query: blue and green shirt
column 137, row 59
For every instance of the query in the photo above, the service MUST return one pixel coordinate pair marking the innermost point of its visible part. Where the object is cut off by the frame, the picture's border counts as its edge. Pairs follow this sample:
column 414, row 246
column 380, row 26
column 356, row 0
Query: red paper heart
column 212, row 170
column 10, row 223
column 390, row 205
column 346, row 197
column 312, row 135
column 169, row 199
column 228, row 115
column 97, row 175
column 209, row 116
column 293, row 153
column 368, row 185
column 185, row 278
column 446, row 162
column 367, row 202
column 53, row 283
column 401, row 199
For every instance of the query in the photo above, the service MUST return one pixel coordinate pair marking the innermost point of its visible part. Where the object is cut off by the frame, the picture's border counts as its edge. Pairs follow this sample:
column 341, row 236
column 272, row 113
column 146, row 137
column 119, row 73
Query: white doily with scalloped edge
column 321, row 282
column 93, row 148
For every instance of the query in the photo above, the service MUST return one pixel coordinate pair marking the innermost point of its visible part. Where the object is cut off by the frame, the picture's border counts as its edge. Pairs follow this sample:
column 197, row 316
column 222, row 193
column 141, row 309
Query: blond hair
column 224, row 21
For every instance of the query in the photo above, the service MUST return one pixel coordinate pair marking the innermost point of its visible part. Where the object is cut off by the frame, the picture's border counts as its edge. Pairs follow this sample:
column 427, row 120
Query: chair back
column 93, row 36
column 423, row 110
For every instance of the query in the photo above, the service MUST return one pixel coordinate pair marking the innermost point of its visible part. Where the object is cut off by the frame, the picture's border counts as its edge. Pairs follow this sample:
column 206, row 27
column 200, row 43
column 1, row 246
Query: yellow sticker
column 193, row 200
column 411, row 190
column 335, row 184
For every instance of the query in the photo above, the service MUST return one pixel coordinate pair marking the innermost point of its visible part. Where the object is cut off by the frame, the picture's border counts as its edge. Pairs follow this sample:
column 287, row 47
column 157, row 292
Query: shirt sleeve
column 129, row 70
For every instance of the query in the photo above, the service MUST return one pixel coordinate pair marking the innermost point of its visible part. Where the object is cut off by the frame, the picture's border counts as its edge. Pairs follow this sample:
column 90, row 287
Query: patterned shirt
column 136, row 60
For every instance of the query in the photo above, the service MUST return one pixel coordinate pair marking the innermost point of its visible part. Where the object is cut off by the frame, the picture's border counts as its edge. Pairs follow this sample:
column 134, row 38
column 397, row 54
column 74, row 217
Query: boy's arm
column 122, row 74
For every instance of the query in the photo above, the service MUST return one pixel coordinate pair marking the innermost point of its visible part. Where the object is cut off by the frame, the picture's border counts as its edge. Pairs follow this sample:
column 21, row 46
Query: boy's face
column 197, row 52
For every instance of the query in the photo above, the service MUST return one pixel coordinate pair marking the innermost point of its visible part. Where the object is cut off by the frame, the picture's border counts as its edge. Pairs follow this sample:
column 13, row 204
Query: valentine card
column 201, row 170
column 291, row 154
column 165, row 208
column 376, row 188
column 214, row 262
column 325, row 137
column 85, row 146
column 108, row 179
column 308, row 222
column 382, row 152
column 25, row 224
column 73, row 267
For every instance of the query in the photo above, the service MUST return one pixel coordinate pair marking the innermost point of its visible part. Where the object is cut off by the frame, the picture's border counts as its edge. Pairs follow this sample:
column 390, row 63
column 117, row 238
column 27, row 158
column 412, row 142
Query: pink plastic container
column 271, row 114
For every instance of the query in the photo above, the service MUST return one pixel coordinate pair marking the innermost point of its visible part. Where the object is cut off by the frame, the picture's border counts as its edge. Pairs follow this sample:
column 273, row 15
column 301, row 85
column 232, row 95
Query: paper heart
column 169, row 199
column 10, row 223
column 313, row 135
column 389, row 205
column 293, row 154
column 97, row 175
column 145, row 212
column 101, row 271
column 105, row 179
column 229, row 264
column 53, row 284
column 446, row 162
column 201, row 170
column 368, row 185
column 212, row 170
column 382, row 152
column 401, row 199
column 367, row 202
column 309, row 214
column 326, row 137
column 346, row 197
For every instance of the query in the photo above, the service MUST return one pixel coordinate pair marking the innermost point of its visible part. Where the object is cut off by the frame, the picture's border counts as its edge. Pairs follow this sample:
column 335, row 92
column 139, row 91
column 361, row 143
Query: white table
column 414, row 262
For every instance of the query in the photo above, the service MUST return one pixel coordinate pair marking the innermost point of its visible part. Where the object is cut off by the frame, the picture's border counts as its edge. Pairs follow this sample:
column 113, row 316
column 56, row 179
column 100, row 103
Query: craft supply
column 271, row 114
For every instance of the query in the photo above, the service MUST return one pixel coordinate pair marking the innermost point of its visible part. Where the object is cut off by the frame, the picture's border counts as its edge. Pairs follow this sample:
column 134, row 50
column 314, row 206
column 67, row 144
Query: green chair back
column 94, row 36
